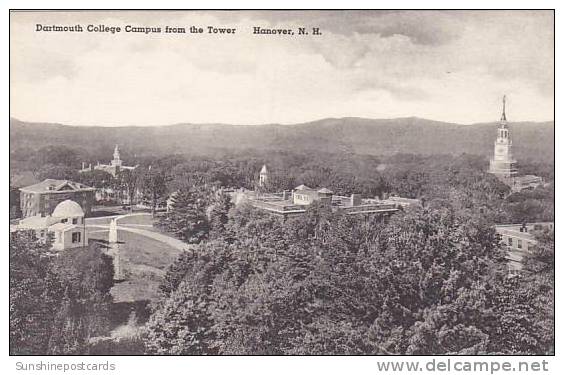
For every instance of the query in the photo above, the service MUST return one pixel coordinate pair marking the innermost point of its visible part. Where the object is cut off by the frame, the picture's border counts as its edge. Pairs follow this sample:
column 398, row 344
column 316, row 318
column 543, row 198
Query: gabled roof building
column 41, row 199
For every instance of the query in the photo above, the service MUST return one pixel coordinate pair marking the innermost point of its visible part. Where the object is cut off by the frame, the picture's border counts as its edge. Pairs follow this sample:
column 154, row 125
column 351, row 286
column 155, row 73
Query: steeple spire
column 116, row 162
column 503, row 165
column 503, row 118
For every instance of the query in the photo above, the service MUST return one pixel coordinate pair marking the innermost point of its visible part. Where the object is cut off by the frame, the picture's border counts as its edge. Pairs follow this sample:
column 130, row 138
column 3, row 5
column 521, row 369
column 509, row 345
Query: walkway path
column 172, row 242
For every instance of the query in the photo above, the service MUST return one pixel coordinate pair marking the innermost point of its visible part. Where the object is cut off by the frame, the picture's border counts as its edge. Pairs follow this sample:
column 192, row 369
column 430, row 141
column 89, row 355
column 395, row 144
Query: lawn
column 138, row 249
column 145, row 222
column 144, row 261
column 145, row 219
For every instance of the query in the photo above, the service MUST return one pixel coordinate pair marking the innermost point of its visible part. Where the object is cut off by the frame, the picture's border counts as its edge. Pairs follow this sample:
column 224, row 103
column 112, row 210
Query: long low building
column 295, row 202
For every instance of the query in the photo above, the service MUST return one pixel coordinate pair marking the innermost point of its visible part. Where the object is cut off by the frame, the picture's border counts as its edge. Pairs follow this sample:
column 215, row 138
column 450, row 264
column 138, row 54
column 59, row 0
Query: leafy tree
column 154, row 183
column 252, row 227
column 57, row 155
column 176, row 272
column 96, row 178
column 181, row 322
column 218, row 213
column 35, row 295
column 57, row 171
column 127, row 182
column 85, row 312
column 88, row 269
column 539, row 282
column 56, row 304
column 69, row 333
column 187, row 218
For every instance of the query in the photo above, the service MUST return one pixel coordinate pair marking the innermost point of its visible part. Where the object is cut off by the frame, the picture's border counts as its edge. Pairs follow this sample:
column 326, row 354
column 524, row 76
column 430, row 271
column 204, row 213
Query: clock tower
column 502, row 164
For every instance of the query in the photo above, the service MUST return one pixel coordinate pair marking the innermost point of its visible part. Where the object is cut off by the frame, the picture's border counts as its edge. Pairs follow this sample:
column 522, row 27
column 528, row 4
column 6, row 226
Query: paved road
column 108, row 218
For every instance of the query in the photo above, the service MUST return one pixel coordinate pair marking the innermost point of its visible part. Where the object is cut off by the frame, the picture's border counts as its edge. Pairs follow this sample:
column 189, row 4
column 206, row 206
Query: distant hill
column 531, row 140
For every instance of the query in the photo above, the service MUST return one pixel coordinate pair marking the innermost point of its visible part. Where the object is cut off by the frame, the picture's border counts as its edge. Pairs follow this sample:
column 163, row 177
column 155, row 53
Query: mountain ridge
column 306, row 123
column 349, row 134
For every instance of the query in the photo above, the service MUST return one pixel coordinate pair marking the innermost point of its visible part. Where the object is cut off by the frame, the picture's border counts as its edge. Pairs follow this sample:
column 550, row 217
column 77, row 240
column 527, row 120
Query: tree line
column 427, row 177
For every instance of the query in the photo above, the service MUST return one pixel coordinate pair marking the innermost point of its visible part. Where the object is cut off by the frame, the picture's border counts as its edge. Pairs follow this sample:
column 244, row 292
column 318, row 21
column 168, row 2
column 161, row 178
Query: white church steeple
column 503, row 118
column 503, row 165
column 116, row 162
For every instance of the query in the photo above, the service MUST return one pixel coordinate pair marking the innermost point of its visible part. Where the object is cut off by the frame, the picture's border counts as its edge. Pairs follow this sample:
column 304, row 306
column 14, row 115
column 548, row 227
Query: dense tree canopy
column 56, row 303
column 431, row 280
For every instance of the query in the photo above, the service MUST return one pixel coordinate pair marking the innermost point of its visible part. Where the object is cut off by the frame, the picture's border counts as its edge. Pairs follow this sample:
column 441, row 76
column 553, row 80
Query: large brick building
column 42, row 198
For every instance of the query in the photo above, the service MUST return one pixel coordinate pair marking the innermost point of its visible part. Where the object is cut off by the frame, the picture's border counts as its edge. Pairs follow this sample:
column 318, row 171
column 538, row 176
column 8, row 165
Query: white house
column 66, row 224
column 520, row 240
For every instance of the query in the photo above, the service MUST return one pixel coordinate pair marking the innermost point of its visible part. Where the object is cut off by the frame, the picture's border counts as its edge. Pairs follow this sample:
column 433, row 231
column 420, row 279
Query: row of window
column 519, row 243
column 75, row 220
column 302, row 197
column 541, row 226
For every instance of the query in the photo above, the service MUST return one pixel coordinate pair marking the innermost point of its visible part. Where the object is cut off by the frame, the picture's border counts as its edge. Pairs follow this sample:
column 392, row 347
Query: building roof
column 302, row 187
column 36, row 222
column 324, row 191
column 62, row 226
column 264, row 170
column 56, row 186
column 529, row 224
column 68, row 208
column 395, row 198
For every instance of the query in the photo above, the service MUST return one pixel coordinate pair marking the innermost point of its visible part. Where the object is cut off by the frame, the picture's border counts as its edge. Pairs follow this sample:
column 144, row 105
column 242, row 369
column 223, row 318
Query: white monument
column 114, row 249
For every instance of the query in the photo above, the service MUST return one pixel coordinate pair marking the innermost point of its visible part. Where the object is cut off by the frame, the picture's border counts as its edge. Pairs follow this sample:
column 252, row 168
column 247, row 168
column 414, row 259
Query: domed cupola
column 68, row 209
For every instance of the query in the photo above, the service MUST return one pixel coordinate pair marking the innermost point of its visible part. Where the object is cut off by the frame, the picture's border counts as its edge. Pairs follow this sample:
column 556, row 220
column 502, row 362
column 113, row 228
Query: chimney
column 83, row 165
column 284, row 195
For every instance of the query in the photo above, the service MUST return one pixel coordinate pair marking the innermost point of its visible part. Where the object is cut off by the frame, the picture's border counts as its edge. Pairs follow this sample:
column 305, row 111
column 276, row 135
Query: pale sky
column 448, row 66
